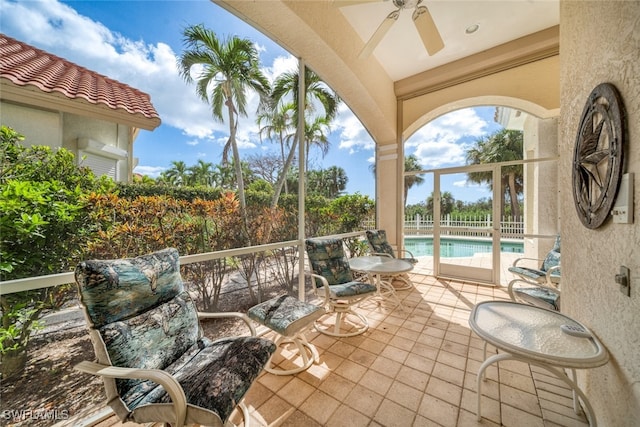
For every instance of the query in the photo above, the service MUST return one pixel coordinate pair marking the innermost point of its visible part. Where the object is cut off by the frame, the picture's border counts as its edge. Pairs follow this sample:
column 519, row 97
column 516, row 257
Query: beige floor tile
column 405, row 395
column 391, row 414
column 363, row 400
column 413, row 378
column 345, row 416
column 297, row 419
column 363, row 357
column 337, row 386
column 274, row 410
column 448, row 373
column 376, row 381
column 351, row 370
column 386, row 366
column 443, row 390
column 514, row 417
column 296, row 391
column 319, row 406
column 438, row 410
column 522, row 400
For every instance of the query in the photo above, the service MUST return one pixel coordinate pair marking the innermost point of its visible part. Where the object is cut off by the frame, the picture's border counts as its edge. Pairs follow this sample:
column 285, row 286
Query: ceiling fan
column 422, row 19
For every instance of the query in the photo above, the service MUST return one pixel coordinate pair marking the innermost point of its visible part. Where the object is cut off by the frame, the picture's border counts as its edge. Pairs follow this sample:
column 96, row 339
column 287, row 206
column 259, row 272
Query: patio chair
column 151, row 353
column 380, row 246
column 540, row 287
column 332, row 273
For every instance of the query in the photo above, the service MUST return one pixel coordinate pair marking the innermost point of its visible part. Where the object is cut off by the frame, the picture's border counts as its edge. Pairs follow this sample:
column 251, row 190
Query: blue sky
column 138, row 42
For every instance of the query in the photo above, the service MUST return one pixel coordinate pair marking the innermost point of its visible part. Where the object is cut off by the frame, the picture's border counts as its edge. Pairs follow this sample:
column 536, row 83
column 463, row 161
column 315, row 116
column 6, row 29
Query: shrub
column 43, row 228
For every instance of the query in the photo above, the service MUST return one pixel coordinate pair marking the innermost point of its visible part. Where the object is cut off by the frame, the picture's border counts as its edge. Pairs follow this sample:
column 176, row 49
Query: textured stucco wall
column 101, row 131
column 39, row 127
column 600, row 42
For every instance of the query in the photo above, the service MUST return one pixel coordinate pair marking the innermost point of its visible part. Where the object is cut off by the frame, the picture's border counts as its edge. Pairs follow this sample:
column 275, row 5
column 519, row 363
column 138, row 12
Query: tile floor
column 413, row 367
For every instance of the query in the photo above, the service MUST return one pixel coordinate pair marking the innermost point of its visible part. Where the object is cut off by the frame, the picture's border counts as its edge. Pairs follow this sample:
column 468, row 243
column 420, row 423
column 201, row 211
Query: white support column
column 302, row 174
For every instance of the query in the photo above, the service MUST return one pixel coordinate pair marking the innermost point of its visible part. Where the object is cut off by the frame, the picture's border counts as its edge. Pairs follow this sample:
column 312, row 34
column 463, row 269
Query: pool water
column 457, row 248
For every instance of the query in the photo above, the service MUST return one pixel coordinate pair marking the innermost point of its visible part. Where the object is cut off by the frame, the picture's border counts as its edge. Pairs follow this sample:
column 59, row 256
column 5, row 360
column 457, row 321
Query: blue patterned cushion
column 351, row 289
column 551, row 260
column 379, row 244
column 285, row 314
column 118, row 289
column 530, row 273
column 540, row 297
column 328, row 260
column 214, row 375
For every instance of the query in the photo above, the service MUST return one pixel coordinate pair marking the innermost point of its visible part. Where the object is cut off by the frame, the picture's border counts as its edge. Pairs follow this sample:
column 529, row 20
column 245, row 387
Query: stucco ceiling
column 402, row 54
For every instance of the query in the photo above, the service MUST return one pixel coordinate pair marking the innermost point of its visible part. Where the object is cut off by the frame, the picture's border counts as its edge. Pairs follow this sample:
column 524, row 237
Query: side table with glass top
column 377, row 266
column 540, row 337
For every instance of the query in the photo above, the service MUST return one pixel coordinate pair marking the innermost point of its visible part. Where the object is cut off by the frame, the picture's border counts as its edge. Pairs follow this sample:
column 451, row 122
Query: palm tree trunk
column 237, row 164
column 283, row 174
column 515, row 207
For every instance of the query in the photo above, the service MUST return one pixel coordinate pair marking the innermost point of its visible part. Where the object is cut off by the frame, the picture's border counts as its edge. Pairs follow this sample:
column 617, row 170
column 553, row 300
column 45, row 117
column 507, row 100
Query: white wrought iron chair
column 151, row 353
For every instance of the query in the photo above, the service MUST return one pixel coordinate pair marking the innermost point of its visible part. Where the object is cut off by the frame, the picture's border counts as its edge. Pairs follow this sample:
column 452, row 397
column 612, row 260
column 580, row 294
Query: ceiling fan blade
column 379, row 34
column 343, row 3
column 428, row 31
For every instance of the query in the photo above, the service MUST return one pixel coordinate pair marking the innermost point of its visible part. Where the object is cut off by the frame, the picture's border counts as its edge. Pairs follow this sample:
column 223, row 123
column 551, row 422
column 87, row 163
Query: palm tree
column 177, row 174
column 316, row 134
column 276, row 123
column 501, row 146
column 226, row 69
column 316, row 91
column 411, row 163
column 202, row 173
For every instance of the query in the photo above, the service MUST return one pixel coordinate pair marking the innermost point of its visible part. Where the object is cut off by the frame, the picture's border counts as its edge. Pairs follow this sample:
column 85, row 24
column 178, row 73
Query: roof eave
column 31, row 95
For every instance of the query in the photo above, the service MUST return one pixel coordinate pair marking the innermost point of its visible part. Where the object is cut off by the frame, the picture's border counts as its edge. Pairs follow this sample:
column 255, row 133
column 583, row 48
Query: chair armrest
column 325, row 284
column 222, row 315
column 515, row 263
column 406, row 251
column 166, row 380
column 550, row 276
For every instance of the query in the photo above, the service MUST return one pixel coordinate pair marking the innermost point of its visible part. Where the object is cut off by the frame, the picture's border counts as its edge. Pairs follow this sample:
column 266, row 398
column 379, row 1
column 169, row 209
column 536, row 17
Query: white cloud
column 151, row 171
column 353, row 136
column 445, row 140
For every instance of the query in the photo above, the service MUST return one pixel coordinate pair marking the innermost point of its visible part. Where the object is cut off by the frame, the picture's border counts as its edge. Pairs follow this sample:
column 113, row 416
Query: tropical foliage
column 43, row 228
column 502, row 146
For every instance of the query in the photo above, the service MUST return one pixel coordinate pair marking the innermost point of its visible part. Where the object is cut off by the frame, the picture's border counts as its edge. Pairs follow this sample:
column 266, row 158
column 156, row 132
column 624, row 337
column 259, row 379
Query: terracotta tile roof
column 25, row 65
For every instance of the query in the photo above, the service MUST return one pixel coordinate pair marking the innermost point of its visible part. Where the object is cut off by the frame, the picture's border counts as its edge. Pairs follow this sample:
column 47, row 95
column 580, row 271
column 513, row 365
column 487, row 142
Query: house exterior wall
column 101, row 131
column 39, row 127
column 600, row 42
column 58, row 129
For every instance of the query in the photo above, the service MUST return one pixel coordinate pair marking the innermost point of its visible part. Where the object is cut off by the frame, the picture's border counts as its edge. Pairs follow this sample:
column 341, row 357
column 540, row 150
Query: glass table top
column 535, row 333
column 379, row 264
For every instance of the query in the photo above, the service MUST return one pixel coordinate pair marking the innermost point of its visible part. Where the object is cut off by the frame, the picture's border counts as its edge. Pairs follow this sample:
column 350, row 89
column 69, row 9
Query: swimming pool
column 458, row 247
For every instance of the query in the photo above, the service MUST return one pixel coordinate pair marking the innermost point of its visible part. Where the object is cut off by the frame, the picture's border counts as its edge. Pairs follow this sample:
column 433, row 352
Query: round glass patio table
column 534, row 335
column 377, row 266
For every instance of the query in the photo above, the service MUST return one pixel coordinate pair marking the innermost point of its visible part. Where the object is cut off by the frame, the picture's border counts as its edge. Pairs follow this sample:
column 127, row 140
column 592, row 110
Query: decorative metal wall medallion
column 598, row 155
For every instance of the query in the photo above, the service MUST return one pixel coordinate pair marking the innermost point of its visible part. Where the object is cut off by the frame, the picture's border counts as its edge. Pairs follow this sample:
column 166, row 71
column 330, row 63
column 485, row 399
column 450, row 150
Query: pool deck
column 425, row 264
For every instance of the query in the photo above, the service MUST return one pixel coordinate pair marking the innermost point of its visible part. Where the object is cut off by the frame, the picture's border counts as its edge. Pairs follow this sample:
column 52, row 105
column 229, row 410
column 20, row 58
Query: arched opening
column 481, row 187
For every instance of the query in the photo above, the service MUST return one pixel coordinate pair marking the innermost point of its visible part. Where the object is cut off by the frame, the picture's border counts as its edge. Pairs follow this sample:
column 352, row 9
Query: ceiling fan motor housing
column 406, row 4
